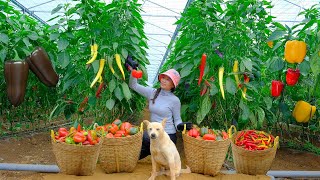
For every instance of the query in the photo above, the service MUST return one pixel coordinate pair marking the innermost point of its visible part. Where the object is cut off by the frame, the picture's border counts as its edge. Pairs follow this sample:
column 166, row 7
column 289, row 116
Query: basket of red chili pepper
column 121, row 146
column 76, row 150
column 253, row 151
column 205, row 149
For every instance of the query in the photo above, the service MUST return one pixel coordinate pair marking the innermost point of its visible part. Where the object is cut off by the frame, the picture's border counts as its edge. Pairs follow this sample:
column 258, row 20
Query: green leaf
column 56, row 9
column 64, row 59
column 245, row 110
column 57, row 26
column 33, row 36
column 57, row 110
column 204, row 109
column 3, row 54
column 62, row 44
column 26, row 41
column 69, row 110
column 112, row 85
column 4, row 38
column 268, row 102
column 275, row 64
column 118, row 93
column 110, row 104
column 261, row 116
column 126, row 91
column 135, row 31
column 186, row 70
column 115, row 46
column 304, row 68
column 54, row 36
column 277, row 34
column 213, row 90
column 92, row 100
column 231, row 86
column 124, row 53
column 247, row 63
column 315, row 63
column 134, row 40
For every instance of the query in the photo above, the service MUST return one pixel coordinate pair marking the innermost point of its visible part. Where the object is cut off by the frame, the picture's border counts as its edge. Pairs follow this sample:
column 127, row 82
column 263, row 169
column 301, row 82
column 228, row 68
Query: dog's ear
column 164, row 121
column 146, row 122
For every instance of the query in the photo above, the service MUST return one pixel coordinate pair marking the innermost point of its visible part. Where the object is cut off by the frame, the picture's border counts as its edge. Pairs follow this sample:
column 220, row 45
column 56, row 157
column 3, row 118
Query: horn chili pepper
column 110, row 64
column 118, row 61
column 94, row 53
column 221, row 70
column 235, row 71
column 100, row 88
column 101, row 66
column 202, row 67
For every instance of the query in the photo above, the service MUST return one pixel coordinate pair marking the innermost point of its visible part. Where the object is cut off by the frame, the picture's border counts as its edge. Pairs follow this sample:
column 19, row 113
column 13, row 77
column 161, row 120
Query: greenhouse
column 160, row 89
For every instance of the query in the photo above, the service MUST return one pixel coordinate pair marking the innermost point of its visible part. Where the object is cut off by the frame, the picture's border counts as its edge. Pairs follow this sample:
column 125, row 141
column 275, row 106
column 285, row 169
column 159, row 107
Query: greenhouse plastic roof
column 160, row 16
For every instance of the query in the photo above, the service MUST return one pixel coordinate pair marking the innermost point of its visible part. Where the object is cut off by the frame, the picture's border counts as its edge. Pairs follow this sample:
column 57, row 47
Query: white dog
column 164, row 154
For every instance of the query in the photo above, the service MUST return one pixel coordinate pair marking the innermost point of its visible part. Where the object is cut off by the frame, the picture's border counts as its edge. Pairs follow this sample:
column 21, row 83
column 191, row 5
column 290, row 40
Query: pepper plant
column 226, row 33
column 117, row 31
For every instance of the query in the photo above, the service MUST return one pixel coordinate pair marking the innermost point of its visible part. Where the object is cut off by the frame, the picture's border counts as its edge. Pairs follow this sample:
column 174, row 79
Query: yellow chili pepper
column 295, row 51
column 221, row 70
column 118, row 60
column 235, row 71
column 100, row 79
column 52, row 136
column 101, row 66
column 94, row 53
column 303, row 111
column 110, row 64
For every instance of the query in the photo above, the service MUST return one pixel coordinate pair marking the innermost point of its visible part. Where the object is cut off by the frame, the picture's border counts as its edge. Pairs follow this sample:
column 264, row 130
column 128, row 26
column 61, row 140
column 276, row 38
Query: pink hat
column 173, row 75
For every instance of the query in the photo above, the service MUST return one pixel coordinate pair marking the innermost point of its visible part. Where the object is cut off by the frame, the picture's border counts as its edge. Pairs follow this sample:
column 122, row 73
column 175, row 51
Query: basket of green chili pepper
column 253, row 151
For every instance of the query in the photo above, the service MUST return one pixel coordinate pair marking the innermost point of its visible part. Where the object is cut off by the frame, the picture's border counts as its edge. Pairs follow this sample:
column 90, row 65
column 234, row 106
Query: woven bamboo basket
column 76, row 159
column 204, row 157
column 253, row 162
column 120, row 154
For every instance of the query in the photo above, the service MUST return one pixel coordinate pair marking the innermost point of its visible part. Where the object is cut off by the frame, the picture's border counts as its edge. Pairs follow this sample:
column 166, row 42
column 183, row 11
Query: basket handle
column 276, row 142
column 141, row 127
column 184, row 129
column 230, row 131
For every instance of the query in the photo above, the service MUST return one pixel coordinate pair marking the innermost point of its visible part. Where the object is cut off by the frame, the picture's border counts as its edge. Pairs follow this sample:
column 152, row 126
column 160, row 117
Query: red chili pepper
column 101, row 86
column 246, row 78
column 79, row 137
column 91, row 139
column 63, row 132
column 83, row 104
column 276, row 88
column 292, row 76
column 202, row 67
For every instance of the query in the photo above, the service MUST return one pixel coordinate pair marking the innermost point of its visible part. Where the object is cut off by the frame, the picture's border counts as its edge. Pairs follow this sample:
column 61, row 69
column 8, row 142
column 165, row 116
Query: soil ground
column 36, row 149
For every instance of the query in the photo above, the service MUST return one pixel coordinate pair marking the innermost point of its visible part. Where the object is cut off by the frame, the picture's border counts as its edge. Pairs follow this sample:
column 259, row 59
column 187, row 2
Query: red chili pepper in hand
column 276, row 88
column 202, row 67
column 101, row 86
column 292, row 76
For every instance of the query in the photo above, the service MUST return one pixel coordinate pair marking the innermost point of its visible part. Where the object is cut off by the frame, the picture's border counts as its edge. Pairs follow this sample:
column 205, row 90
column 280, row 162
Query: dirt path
column 37, row 149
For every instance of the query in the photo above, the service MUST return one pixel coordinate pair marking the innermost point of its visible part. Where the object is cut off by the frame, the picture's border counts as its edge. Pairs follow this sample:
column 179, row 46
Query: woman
column 162, row 104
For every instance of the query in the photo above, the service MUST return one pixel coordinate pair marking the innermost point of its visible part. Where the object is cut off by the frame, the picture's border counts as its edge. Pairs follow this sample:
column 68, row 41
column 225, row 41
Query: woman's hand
column 180, row 126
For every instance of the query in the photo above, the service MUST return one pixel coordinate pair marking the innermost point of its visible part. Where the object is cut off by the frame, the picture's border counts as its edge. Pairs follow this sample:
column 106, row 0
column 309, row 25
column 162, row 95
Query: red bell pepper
column 276, row 88
column 194, row 132
column 292, row 76
column 63, row 132
column 136, row 74
column 202, row 67
column 209, row 137
column 79, row 137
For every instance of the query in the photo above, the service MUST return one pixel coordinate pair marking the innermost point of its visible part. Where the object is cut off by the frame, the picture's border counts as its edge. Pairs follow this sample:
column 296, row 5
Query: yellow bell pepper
column 295, row 51
column 303, row 111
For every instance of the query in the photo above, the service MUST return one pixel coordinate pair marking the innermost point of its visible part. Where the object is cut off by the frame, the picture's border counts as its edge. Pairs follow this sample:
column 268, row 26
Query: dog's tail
column 187, row 170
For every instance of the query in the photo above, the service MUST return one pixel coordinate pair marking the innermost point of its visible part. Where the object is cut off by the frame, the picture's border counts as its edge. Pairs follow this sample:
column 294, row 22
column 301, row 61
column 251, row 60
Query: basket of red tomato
column 76, row 150
column 205, row 149
column 121, row 146
column 253, row 151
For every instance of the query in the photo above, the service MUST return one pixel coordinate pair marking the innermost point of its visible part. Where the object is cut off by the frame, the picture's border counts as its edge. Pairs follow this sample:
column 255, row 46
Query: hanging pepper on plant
column 246, row 80
column 100, row 88
column 94, row 53
column 235, row 71
column 83, row 104
column 221, row 71
column 110, row 64
column 295, row 51
column 118, row 61
column 276, row 88
column 292, row 76
column 202, row 67
column 101, row 66
column 303, row 111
